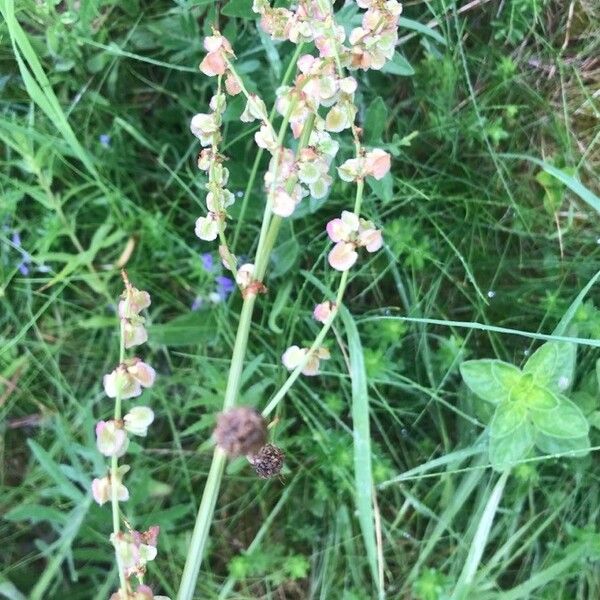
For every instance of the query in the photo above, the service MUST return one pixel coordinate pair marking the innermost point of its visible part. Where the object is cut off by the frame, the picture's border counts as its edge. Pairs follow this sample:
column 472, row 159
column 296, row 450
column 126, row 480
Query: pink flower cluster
column 373, row 43
column 135, row 550
column 295, row 356
column 126, row 381
column 375, row 163
column 370, row 45
column 206, row 127
column 318, row 84
column 349, row 233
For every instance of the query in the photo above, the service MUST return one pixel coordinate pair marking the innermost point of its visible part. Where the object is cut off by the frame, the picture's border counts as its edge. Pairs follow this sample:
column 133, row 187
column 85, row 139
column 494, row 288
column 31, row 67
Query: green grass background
column 491, row 216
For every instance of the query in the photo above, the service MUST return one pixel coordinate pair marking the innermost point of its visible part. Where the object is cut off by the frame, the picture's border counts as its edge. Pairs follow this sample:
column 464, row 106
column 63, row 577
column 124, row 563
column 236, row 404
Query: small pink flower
column 205, row 159
column 305, row 62
column 322, row 311
column 102, row 491
column 342, row 256
column 340, row 230
column 205, row 126
column 128, row 379
column 141, row 372
column 371, row 239
column 134, row 301
column 214, row 62
column 265, row 138
column 294, row 356
column 207, row 228
column 283, row 203
column 110, row 439
column 255, row 109
column 311, row 368
column 134, row 333
column 377, row 163
column 134, row 550
column 232, row 85
column 138, row 419
column 352, row 169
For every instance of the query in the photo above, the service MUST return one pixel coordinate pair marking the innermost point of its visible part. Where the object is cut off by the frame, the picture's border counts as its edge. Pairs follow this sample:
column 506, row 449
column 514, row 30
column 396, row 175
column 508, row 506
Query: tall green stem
column 238, row 227
column 213, row 482
column 283, row 390
column 114, row 473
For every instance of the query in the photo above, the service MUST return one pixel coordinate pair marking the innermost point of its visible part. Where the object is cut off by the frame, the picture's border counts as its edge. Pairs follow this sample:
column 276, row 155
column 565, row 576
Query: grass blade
column 480, row 540
column 571, row 182
column 363, row 476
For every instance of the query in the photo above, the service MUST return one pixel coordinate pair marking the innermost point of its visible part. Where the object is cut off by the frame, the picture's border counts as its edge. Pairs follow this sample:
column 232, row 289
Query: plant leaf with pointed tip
column 548, row 444
column 507, row 418
column 564, row 421
column 508, row 450
column 553, row 365
column 490, row 379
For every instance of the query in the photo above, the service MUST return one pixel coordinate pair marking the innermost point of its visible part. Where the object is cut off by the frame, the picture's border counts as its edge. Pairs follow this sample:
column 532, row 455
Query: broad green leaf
column 192, row 328
column 383, row 188
column 507, row 418
column 239, row 8
column 508, row 450
column 284, row 257
column 564, row 421
column 553, row 365
column 540, row 398
column 559, row 445
column 489, row 379
column 375, row 120
column 417, row 26
column 398, row 66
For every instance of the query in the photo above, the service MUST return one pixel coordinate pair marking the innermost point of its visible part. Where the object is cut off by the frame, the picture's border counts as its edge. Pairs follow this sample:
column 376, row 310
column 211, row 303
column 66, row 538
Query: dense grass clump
column 492, row 247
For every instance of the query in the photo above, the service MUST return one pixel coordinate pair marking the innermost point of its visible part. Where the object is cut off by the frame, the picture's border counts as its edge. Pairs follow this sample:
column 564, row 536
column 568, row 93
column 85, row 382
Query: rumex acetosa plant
column 133, row 549
column 310, row 109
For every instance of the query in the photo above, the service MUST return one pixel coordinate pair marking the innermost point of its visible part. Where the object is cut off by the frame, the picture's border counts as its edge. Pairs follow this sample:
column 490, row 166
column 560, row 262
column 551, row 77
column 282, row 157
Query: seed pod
column 240, row 431
column 268, row 461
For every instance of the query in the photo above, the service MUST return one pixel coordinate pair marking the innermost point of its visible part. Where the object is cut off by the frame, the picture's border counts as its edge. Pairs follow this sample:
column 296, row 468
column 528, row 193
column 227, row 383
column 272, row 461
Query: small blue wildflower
column 104, row 139
column 224, row 286
column 207, row 261
column 197, row 303
column 23, row 266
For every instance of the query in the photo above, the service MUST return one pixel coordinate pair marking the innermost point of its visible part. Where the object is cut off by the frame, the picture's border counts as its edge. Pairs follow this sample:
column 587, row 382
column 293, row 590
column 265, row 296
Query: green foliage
column 493, row 187
column 531, row 409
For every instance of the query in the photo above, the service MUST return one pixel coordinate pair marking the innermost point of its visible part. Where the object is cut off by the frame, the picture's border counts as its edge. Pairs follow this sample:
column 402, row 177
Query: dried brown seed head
column 268, row 461
column 240, row 431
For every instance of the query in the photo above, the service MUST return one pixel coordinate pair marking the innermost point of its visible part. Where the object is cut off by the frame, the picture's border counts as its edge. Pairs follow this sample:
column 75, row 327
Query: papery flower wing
column 207, row 228
column 292, row 357
column 342, row 256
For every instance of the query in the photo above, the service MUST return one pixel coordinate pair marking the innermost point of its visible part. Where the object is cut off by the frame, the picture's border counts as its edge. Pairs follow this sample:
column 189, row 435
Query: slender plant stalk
column 289, row 382
column 213, row 482
column 114, row 474
column 238, row 227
